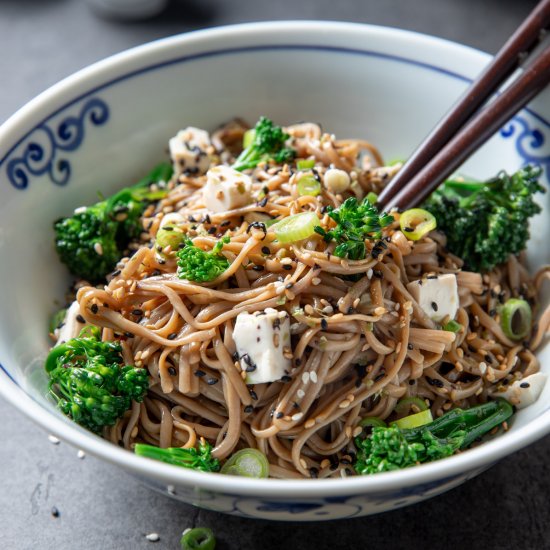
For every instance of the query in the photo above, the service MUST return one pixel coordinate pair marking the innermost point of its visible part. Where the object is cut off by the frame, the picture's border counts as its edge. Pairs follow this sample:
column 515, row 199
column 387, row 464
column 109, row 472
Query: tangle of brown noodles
column 360, row 342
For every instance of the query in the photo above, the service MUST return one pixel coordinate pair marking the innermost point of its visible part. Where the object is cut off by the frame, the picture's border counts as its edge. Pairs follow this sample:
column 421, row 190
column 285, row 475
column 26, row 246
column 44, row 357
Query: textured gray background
column 100, row 507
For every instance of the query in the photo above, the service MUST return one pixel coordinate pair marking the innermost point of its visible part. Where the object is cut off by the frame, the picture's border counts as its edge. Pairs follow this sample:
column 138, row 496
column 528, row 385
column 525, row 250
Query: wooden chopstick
column 500, row 68
column 476, row 132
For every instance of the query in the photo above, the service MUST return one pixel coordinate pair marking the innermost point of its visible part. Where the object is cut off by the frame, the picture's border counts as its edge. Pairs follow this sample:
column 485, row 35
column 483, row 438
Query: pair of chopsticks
column 465, row 128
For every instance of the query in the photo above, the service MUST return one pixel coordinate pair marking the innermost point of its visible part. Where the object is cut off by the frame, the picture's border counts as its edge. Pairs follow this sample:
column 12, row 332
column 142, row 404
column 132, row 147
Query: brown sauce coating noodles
column 360, row 342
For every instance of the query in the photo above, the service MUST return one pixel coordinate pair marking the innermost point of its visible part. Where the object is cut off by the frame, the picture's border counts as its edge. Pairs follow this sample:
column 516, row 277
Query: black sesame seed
column 258, row 268
column 524, row 385
column 248, row 409
column 431, row 277
column 225, row 223
column 55, row 512
column 212, row 381
column 412, row 382
column 80, row 319
column 280, row 415
column 172, row 336
column 410, row 346
column 380, row 376
column 265, row 250
column 492, row 312
column 251, row 368
column 345, row 461
column 263, row 202
column 168, row 228
column 199, row 373
column 286, row 378
column 434, row 306
column 350, row 310
column 314, row 473
column 94, row 308
column 116, row 273
column 288, row 267
column 378, row 274
column 212, row 230
column 289, row 286
column 172, row 371
column 435, row 382
column 128, row 335
column 324, row 324
column 408, row 229
column 137, row 312
column 254, row 395
column 297, row 361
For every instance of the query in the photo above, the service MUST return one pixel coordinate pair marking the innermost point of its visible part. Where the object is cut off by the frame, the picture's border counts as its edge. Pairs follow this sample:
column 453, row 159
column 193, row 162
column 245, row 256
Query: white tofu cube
column 262, row 338
column 526, row 391
column 71, row 326
column 189, row 151
column 438, row 297
column 226, row 189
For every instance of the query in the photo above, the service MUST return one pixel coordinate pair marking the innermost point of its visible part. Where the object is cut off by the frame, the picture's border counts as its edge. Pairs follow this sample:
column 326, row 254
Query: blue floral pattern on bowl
column 43, row 153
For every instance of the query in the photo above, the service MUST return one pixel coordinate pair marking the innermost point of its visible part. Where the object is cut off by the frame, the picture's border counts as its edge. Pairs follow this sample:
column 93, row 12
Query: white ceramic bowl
column 108, row 124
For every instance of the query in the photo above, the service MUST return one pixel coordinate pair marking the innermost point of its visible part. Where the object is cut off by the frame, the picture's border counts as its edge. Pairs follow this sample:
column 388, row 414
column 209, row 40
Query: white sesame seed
column 300, row 393
column 369, row 274
column 186, row 531
column 313, row 377
column 305, row 377
column 171, row 490
column 80, row 210
column 297, row 416
column 482, row 368
column 98, row 249
column 152, row 537
column 81, row 454
column 52, row 439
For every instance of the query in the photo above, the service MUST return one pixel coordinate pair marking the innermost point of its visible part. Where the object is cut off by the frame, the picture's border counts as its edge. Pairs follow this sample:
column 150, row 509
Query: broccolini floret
column 355, row 222
column 196, row 459
column 392, row 448
column 268, row 143
column 486, row 222
column 90, row 382
column 92, row 241
column 201, row 266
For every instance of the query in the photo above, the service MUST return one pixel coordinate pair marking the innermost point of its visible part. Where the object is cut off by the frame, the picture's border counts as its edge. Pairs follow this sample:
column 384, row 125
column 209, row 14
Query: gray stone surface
column 102, row 508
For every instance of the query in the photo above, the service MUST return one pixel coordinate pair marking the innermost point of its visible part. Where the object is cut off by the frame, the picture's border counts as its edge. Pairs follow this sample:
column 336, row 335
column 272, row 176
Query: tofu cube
column 226, row 189
column 262, row 340
column 526, row 391
column 438, row 296
column 189, row 151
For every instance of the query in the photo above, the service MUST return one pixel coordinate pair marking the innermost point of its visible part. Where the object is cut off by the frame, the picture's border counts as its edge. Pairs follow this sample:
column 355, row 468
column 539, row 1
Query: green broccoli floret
column 356, row 221
column 92, row 241
column 486, row 222
column 268, row 143
column 200, row 459
column 392, row 448
column 201, row 266
column 90, row 382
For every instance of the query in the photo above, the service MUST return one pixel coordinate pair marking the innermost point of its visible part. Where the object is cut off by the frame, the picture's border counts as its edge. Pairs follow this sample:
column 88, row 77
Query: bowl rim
column 453, row 467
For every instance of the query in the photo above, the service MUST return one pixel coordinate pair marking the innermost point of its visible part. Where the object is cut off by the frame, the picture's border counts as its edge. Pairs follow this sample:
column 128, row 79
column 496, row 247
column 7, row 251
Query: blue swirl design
column 41, row 154
column 529, row 142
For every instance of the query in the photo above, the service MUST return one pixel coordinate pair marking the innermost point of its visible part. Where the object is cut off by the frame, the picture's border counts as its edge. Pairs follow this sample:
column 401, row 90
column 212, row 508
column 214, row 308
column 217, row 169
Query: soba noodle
column 360, row 342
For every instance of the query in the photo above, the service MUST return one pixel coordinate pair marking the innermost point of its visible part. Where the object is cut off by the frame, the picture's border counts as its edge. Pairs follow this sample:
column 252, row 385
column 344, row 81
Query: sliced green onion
column 404, row 405
column 247, row 463
column 393, row 162
column 57, row 318
column 372, row 422
column 297, row 227
column 417, row 222
column 169, row 236
column 372, row 197
column 452, row 326
column 414, row 420
column 199, row 538
column 516, row 318
column 248, row 138
column 308, row 185
column 305, row 164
